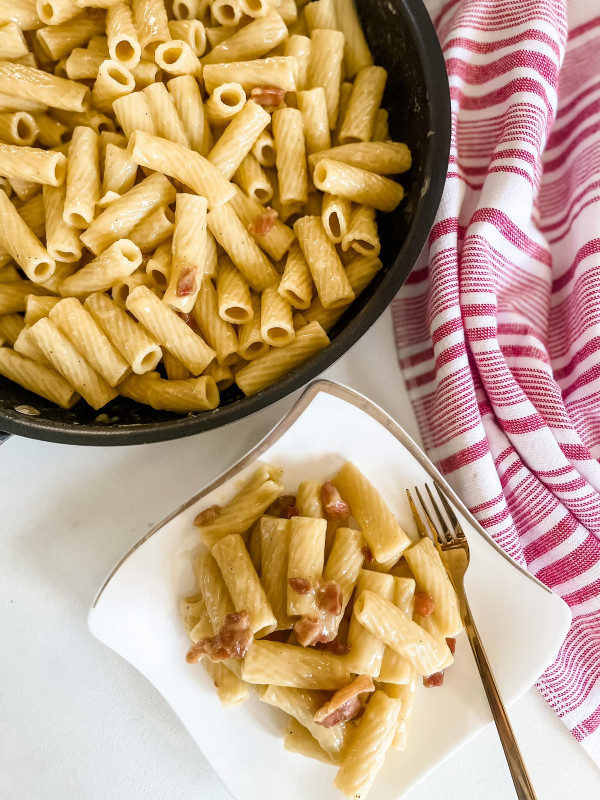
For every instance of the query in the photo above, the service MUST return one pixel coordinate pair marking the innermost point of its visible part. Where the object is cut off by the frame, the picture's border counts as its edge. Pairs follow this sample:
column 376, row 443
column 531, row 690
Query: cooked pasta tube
column 276, row 71
column 239, row 514
column 362, row 235
column 169, row 330
column 36, row 378
column 119, row 174
column 320, row 14
column 25, row 190
column 191, row 9
column 213, row 589
column 130, row 338
column 222, row 376
column 277, row 328
column 225, row 102
column 274, row 538
column 238, row 138
column 91, row 118
column 313, row 105
column 123, row 44
column 62, row 240
column 12, row 42
column 113, row 81
column 263, row 150
column 56, row 41
column 255, row 8
column 243, row 583
column 53, row 12
column 296, row 283
column 233, row 237
column 22, row 244
column 83, row 178
column 303, row 704
column 81, row 328
column 345, row 94
column 368, row 747
column 122, row 288
column 121, row 217
column 218, row 34
column 280, row 664
column 146, row 73
column 191, row 31
column 431, row 577
column 366, row 650
column 226, row 12
column 253, row 180
column 298, row 740
column 356, row 52
column 298, row 47
column 406, row 694
column 8, row 273
column 233, row 294
column 32, row 164
column 182, row 164
column 194, row 616
column 189, row 252
column 158, row 267
column 219, row 334
column 38, row 306
column 230, row 689
column 391, row 625
column 133, row 113
column 325, row 68
column 177, row 58
column 251, row 41
column 308, row 499
column 305, row 561
column 69, row 362
column 18, row 127
column 266, row 369
column 288, row 130
column 26, row 346
column 335, row 215
column 118, row 261
column 13, row 295
column 251, row 343
column 50, row 130
column 357, row 185
column 278, row 239
column 329, row 276
column 151, row 24
column 383, row 158
column 153, row 230
column 365, row 100
column 176, row 372
column 83, row 63
column 384, row 535
column 21, row 12
column 193, row 394
column 188, row 103
column 344, row 563
column 11, row 326
column 394, row 668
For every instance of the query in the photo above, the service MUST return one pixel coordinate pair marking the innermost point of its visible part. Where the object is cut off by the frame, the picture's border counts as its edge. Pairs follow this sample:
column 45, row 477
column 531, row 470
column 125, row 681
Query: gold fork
column 453, row 548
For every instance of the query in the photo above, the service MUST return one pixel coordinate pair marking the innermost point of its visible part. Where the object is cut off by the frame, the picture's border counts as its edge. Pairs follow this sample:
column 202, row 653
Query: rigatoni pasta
column 219, row 179
column 266, row 572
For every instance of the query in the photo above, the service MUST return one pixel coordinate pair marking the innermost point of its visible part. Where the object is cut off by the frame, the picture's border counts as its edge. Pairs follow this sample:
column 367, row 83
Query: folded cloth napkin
column 498, row 327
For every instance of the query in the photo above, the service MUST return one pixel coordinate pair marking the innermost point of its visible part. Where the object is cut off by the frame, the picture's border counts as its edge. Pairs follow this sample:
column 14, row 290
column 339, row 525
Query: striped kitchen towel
column 498, row 327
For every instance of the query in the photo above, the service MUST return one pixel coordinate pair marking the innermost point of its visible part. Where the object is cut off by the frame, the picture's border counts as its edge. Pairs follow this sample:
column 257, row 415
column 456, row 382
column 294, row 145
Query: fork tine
column 438, row 513
column 422, row 531
column 458, row 532
column 438, row 540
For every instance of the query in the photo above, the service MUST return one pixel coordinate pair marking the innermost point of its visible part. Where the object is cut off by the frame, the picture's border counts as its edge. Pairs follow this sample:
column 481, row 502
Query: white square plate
column 136, row 613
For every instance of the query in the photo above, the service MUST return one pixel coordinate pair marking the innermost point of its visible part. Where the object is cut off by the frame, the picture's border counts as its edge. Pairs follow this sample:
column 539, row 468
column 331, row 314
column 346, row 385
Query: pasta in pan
column 334, row 640
column 194, row 184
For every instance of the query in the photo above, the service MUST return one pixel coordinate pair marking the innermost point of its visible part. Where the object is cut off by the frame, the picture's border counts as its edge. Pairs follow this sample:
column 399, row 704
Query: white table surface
column 78, row 722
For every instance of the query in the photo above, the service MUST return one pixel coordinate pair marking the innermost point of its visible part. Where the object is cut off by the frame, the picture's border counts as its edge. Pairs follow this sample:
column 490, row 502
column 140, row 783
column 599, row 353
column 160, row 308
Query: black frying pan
column 403, row 41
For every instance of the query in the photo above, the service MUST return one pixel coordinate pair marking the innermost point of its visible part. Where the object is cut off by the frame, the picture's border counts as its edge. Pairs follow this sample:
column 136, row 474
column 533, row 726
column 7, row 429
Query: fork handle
column 513, row 755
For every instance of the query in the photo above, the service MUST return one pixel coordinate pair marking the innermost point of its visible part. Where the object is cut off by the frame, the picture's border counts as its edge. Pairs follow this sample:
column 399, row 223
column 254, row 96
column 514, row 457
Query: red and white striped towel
column 498, row 327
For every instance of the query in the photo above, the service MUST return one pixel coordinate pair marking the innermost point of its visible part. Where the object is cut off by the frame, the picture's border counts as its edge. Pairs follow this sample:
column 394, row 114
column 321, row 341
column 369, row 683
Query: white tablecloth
column 78, row 722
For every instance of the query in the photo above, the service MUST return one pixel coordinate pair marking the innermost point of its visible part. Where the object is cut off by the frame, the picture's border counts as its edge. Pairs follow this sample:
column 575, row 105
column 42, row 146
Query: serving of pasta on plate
column 322, row 604
column 190, row 191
